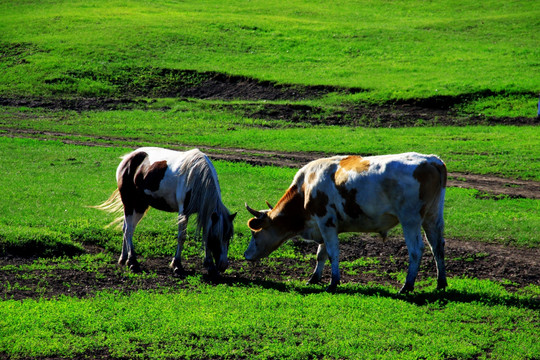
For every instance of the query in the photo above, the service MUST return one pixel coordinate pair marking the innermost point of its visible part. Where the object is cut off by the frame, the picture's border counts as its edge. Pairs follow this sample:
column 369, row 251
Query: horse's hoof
column 178, row 271
column 313, row 280
column 213, row 274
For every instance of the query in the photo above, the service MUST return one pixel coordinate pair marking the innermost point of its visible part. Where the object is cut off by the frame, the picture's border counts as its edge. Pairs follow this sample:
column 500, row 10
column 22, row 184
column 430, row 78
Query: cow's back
column 371, row 193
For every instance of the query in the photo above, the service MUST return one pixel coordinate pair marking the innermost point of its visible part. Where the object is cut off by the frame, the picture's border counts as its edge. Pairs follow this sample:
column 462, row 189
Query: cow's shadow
column 420, row 298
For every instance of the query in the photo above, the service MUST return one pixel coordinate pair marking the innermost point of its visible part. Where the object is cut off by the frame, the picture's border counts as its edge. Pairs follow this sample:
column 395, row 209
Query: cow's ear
column 257, row 224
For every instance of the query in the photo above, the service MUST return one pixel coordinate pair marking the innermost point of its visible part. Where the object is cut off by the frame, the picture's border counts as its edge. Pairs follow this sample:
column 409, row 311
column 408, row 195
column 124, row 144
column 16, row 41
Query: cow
column 351, row 193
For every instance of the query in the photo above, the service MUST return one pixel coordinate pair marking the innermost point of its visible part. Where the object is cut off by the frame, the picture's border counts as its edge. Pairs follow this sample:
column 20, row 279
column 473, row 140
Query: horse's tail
column 112, row 205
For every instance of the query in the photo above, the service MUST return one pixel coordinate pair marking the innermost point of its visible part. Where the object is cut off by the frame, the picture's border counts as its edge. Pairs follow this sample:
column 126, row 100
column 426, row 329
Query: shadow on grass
column 438, row 297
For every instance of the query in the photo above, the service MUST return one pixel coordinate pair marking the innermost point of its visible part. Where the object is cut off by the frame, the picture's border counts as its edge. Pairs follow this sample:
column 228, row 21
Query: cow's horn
column 270, row 206
column 254, row 212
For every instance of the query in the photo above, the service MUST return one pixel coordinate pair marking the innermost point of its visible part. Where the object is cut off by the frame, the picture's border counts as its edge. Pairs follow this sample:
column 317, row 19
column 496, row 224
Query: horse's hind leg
column 176, row 263
column 128, row 255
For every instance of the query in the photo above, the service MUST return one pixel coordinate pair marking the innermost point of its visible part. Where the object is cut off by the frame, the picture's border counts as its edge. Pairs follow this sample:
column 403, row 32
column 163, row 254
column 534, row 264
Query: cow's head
column 271, row 228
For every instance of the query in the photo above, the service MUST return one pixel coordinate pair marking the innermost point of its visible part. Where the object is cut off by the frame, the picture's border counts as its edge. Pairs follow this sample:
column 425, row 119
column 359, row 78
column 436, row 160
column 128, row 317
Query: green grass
column 46, row 201
column 482, row 56
column 395, row 50
column 509, row 151
column 476, row 319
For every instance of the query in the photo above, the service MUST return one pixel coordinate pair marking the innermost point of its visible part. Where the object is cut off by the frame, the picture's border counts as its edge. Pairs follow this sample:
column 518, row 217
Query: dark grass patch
column 160, row 82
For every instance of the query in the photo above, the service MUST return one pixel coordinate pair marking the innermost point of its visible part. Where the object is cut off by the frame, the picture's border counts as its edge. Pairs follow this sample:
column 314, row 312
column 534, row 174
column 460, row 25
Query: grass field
column 487, row 51
column 84, row 82
column 498, row 150
column 236, row 322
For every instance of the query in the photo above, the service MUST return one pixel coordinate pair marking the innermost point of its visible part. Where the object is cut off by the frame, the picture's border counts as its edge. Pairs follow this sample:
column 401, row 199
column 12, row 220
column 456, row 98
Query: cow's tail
column 112, row 205
column 443, row 172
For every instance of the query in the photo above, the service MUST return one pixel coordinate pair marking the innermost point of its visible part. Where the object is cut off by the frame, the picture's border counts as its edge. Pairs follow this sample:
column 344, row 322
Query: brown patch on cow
column 333, row 206
column 443, row 172
column 350, row 206
column 350, row 163
column 431, row 182
column 311, row 178
column 285, row 200
column 317, row 205
column 330, row 223
column 289, row 214
column 354, row 162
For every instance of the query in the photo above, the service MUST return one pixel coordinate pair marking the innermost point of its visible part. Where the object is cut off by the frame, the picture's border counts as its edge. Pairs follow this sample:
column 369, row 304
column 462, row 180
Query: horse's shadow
column 422, row 298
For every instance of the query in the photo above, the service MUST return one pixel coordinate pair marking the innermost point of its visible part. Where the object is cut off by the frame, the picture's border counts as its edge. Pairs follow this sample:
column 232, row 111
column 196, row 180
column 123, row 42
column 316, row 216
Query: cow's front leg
column 331, row 243
column 322, row 256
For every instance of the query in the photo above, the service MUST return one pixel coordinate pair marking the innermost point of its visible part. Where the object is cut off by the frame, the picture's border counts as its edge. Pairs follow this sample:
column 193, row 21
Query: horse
column 172, row 181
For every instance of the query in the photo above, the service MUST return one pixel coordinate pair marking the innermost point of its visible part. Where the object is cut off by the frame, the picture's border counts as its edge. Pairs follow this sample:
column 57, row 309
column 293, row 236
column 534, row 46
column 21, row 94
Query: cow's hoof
column 332, row 288
column 213, row 274
column 406, row 289
column 441, row 285
column 134, row 266
column 314, row 280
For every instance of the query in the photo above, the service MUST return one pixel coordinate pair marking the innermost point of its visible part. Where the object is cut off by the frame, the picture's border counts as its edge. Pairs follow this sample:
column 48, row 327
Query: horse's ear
column 215, row 218
column 232, row 216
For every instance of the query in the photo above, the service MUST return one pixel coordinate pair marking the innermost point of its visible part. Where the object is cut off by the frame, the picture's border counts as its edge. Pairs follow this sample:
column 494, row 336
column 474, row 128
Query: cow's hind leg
column 415, row 247
column 331, row 244
column 322, row 256
column 176, row 263
column 434, row 232
column 128, row 256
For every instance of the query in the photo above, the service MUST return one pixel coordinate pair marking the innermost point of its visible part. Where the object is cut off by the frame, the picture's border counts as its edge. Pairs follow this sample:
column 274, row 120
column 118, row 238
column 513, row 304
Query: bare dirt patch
column 514, row 268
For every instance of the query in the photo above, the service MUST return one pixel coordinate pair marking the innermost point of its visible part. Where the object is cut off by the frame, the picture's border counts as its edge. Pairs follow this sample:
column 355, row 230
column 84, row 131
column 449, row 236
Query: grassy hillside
column 391, row 50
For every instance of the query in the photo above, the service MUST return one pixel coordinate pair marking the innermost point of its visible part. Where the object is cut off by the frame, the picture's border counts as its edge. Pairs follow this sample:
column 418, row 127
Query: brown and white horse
column 173, row 181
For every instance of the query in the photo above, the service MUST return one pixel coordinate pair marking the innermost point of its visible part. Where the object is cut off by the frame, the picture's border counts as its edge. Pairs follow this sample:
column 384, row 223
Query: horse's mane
column 205, row 197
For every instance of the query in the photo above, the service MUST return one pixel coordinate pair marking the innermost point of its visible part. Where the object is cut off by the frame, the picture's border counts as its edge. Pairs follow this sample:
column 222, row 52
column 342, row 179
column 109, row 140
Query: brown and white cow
column 358, row 194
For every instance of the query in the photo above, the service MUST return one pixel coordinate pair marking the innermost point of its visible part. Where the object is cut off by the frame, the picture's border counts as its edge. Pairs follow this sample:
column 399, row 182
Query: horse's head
column 219, row 236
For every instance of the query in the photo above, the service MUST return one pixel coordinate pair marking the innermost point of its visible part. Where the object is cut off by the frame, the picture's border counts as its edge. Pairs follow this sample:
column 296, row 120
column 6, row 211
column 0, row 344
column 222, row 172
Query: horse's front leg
column 209, row 263
column 176, row 263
